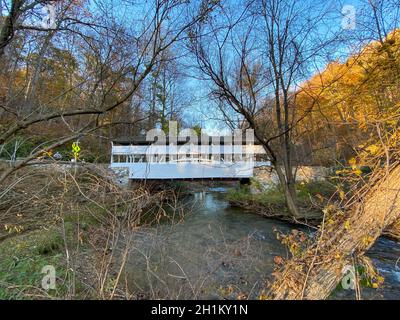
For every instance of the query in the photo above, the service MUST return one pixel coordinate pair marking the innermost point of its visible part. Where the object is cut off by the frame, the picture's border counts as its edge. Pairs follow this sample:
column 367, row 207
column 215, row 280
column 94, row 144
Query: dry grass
column 82, row 215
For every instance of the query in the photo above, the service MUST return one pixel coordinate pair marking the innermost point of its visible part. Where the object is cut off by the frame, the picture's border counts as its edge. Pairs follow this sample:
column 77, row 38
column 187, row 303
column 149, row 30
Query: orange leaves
column 350, row 99
column 294, row 241
column 278, row 260
column 241, row 296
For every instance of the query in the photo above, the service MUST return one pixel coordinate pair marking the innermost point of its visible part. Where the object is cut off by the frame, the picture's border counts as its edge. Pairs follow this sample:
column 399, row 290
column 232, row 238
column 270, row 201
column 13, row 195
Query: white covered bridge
column 179, row 159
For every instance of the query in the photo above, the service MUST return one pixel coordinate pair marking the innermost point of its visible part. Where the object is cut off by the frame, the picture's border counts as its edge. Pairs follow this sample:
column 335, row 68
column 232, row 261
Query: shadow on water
column 220, row 252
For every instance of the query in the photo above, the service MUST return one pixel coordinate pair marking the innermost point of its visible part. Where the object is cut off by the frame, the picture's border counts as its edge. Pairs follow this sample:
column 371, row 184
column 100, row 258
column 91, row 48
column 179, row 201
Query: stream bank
column 220, row 252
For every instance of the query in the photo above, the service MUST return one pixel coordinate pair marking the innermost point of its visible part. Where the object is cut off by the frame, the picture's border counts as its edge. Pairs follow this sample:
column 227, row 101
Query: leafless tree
column 121, row 57
column 256, row 55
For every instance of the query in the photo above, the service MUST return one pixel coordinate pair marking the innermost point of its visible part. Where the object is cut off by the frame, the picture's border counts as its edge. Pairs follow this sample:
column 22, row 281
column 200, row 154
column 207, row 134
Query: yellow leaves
column 353, row 163
column 379, row 280
column 347, row 225
column 354, row 170
column 329, row 209
column 47, row 154
column 373, row 149
column 298, row 268
column 325, row 210
column 354, row 167
column 13, row 229
column 263, row 296
column 342, row 195
column 349, row 92
column 226, row 291
column 340, row 213
column 367, row 240
column 294, row 248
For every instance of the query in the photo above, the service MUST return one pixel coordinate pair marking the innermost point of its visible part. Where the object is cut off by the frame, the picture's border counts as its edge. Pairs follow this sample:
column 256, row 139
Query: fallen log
column 318, row 269
column 393, row 231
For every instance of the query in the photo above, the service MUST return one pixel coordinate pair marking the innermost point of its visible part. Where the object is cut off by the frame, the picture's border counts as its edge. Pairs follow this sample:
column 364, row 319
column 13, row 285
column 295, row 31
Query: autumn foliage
column 353, row 107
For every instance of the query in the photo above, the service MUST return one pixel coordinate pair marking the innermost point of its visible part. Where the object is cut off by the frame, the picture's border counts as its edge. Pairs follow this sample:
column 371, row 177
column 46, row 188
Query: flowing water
column 220, row 252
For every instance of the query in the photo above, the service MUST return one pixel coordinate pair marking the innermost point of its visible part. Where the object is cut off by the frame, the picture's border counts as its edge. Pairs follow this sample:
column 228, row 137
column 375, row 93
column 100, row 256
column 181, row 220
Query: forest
column 317, row 82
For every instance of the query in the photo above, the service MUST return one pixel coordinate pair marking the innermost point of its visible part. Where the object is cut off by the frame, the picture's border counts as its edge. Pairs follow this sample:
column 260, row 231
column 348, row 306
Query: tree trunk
column 8, row 29
column 317, row 271
column 289, row 192
column 393, row 231
column 30, row 92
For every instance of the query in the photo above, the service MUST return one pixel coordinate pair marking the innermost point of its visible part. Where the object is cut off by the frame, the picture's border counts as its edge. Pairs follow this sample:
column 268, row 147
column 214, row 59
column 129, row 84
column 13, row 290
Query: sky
column 350, row 25
column 201, row 109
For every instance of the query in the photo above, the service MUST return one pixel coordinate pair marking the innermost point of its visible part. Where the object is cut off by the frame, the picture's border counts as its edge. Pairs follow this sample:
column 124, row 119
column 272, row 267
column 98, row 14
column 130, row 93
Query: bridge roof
column 141, row 141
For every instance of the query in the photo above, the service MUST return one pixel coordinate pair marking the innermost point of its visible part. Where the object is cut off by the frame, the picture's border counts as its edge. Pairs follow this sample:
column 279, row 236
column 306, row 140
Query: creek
column 220, row 252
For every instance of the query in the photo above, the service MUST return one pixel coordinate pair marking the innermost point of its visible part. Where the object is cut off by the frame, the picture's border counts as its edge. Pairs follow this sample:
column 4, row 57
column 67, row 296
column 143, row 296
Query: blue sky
column 201, row 111
column 340, row 52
